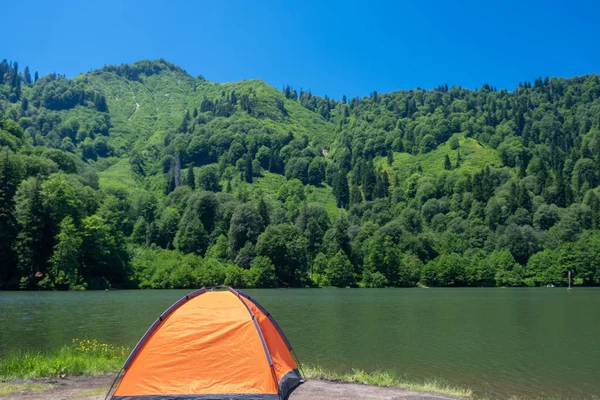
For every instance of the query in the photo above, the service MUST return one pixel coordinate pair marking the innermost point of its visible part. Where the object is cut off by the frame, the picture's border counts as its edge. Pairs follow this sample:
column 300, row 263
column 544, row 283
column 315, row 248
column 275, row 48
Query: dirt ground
column 94, row 388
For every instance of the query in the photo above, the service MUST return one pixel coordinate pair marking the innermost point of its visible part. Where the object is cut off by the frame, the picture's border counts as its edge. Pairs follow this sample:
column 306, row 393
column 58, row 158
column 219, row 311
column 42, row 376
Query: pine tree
column 287, row 91
column 512, row 200
column 357, row 172
column 35, row 77
column 385, row 184
column 382, row 186
column 447, row 163
column 561, row 190
column 24, row 104
column 390, row 157
column 340, row 189
column 340, row 228
column 248, row 169
column 27, row 76
column 14, row 79
column 263, row 211
column 31, row 240
column 190, row 178
column 170, row 184
column 10, row 176
column 521, row 169
column 523, row 198
column 355, row 195
column 368, row 180
column 101, row 103
column 592, row 200
column 378, row 188
column 184, row 123
column 16, row 92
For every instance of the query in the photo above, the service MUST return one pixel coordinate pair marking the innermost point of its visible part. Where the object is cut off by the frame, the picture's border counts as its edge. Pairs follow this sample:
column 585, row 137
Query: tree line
column 500, row 188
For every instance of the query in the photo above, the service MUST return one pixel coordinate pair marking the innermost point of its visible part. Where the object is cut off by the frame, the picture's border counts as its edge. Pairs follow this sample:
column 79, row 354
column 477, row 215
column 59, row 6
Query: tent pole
column 114, row 383
column 299, row 364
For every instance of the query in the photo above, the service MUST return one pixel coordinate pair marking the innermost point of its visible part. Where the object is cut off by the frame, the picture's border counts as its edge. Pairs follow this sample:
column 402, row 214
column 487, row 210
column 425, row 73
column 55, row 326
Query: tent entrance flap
column 211, row 344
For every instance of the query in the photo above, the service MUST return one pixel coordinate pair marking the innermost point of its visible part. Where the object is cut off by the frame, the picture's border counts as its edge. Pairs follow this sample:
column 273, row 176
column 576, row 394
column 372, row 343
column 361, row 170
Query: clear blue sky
column 331, row 47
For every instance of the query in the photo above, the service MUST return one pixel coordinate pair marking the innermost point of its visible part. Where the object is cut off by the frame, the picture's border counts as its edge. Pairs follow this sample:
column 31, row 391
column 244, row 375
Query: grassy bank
column 385, row 378
column 81, row 357
column 89, row 357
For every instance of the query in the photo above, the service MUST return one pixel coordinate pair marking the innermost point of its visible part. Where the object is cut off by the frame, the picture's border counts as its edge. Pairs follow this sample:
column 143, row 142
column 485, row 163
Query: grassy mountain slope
column 474, row 156
column 156, row 104
column 144, row 111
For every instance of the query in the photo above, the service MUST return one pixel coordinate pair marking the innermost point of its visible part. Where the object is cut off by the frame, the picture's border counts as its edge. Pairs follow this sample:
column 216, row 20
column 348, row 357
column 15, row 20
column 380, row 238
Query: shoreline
column 96, row 387
column 88, row 359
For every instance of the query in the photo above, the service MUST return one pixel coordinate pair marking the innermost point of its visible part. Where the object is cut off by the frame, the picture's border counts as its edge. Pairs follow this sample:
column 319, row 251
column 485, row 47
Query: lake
column 499, row 342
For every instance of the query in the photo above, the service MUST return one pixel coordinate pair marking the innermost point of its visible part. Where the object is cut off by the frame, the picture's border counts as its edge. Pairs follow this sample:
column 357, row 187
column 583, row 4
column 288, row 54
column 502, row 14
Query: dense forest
column 141, row 176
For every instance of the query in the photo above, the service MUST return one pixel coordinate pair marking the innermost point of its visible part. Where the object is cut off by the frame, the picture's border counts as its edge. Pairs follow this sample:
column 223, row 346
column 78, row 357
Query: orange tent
column 211, row 344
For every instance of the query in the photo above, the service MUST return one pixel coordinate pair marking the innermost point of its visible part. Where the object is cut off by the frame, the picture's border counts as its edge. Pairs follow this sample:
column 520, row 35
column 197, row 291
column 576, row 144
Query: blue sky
column 330, row 47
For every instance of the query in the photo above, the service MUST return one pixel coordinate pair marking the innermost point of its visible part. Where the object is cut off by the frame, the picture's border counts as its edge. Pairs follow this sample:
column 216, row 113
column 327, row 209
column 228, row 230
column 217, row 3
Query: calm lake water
column 499, row 342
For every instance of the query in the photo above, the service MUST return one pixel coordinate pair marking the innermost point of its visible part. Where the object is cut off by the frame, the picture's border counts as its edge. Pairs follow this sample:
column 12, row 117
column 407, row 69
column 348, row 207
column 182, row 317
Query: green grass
column 7, row 388
column 82, row 357
column 385, row 378
column 118, row 176
column 474, row 157
column 323, row 195
column 270, row 183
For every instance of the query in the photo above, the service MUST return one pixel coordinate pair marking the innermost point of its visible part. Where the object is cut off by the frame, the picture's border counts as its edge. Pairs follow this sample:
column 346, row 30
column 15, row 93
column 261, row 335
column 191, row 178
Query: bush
column 374, row 280
column 262, row 273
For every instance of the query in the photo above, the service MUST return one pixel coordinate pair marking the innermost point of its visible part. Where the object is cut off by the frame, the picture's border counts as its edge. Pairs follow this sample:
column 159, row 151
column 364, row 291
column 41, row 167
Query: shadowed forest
column 142, row 176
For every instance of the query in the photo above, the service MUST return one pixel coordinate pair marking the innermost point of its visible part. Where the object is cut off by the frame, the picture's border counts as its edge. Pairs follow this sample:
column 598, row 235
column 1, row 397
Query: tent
column 213, row 344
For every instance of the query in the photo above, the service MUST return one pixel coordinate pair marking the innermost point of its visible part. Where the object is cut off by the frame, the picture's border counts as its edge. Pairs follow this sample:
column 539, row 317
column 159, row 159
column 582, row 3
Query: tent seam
column 268, row 315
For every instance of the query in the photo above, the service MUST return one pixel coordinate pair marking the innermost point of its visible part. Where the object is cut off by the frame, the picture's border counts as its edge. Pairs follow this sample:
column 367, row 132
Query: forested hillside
column 143, row 176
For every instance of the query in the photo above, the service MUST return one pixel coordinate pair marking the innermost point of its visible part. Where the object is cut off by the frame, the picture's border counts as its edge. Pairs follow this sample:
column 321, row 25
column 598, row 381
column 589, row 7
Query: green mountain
column 143, row 176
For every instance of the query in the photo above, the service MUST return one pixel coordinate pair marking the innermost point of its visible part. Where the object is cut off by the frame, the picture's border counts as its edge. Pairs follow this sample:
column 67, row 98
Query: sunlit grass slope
column 269, row 185
column 473, row 154
column 118, row 176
